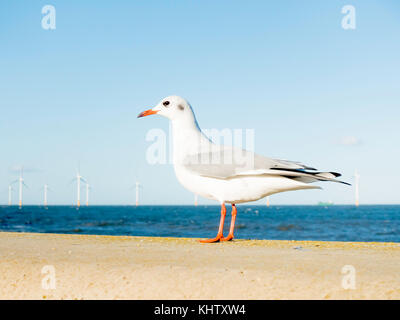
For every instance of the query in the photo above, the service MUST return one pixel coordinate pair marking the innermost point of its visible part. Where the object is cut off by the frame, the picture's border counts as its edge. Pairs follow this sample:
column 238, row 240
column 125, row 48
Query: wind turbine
column 78, row 179
column 10, row 189
column 356, row 187
column 137, row 192
column 268, row 201
column 137, row 186
column 21, row 184
column 196, row 199
column 87, row 193
column 46, row 189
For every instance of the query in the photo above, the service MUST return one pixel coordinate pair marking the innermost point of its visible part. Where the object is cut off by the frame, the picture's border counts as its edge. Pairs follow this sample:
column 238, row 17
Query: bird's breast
column 203, row 186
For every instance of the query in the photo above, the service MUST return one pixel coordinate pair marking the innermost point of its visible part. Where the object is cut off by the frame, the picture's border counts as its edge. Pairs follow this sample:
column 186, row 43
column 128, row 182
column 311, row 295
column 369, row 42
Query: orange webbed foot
column 228, row 238
column 218, row 238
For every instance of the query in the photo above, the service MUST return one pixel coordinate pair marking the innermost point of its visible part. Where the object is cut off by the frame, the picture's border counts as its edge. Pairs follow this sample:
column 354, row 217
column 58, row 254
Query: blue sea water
column 334, row 223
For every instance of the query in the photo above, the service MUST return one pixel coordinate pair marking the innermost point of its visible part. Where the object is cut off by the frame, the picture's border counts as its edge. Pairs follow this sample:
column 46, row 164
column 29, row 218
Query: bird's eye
column 166, row 103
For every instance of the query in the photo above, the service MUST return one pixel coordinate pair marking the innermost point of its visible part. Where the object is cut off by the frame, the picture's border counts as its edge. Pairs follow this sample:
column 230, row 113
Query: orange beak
column 146, row 113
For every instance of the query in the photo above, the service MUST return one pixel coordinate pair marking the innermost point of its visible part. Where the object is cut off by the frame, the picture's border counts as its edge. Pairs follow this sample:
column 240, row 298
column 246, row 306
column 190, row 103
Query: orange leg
column 232, row 228
column 221, row 227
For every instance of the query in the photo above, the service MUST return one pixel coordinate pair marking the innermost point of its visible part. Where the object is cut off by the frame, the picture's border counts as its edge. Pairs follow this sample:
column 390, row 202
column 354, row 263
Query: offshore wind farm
column 83, row 184
column 265, row 220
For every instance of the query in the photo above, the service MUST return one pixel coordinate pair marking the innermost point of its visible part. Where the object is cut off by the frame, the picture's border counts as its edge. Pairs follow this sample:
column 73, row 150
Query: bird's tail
column 307, row 176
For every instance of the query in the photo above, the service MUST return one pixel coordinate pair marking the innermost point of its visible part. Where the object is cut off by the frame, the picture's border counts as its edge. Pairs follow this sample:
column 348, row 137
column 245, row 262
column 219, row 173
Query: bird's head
column 174, row 108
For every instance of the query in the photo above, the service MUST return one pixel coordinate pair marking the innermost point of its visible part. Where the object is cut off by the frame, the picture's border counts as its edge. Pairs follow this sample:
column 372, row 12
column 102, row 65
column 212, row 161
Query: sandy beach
column 52, row 266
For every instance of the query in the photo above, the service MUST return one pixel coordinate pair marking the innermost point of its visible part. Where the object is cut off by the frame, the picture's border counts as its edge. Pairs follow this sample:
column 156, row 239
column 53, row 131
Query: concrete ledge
column 120, row 267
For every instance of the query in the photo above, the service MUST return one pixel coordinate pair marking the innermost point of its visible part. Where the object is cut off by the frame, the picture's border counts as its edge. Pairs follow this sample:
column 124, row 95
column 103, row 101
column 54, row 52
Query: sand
column 52, row 266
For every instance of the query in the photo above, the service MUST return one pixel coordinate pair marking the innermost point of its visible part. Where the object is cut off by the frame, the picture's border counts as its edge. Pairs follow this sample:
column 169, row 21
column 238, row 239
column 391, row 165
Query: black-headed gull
column 227, row 174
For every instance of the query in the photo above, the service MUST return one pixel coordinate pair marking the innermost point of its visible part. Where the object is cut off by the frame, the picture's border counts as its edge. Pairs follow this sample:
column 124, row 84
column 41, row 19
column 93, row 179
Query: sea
column 277, row 222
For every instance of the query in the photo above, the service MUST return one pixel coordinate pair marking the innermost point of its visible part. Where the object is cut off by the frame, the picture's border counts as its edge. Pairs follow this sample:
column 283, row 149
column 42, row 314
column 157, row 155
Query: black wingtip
column 310, row 168
column 336, row 174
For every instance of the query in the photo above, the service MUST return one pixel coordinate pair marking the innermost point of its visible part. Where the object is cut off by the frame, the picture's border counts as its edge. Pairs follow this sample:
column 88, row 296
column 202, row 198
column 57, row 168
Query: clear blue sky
column 312, row 91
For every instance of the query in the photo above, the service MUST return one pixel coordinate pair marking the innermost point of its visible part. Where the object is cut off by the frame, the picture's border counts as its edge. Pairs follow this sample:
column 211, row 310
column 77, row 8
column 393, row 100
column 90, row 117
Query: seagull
column 227, row 174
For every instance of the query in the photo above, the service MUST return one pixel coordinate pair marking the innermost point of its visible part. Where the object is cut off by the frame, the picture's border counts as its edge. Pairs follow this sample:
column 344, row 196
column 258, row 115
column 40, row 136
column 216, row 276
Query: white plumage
column 223, row 173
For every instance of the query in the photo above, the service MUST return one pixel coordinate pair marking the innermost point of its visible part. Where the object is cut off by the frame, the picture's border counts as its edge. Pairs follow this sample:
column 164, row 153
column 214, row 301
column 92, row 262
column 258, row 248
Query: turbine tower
column 268, row 201
column 87, row 194
column 10, row 189
column 137, row 193
column 21, row 184
column 196, row 199
column 356, row 185
column 78, row 179
column 46, row 189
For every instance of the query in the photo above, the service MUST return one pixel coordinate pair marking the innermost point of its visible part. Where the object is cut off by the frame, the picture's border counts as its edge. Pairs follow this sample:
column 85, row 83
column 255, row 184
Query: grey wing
column 218, row 163
column 228, row 163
